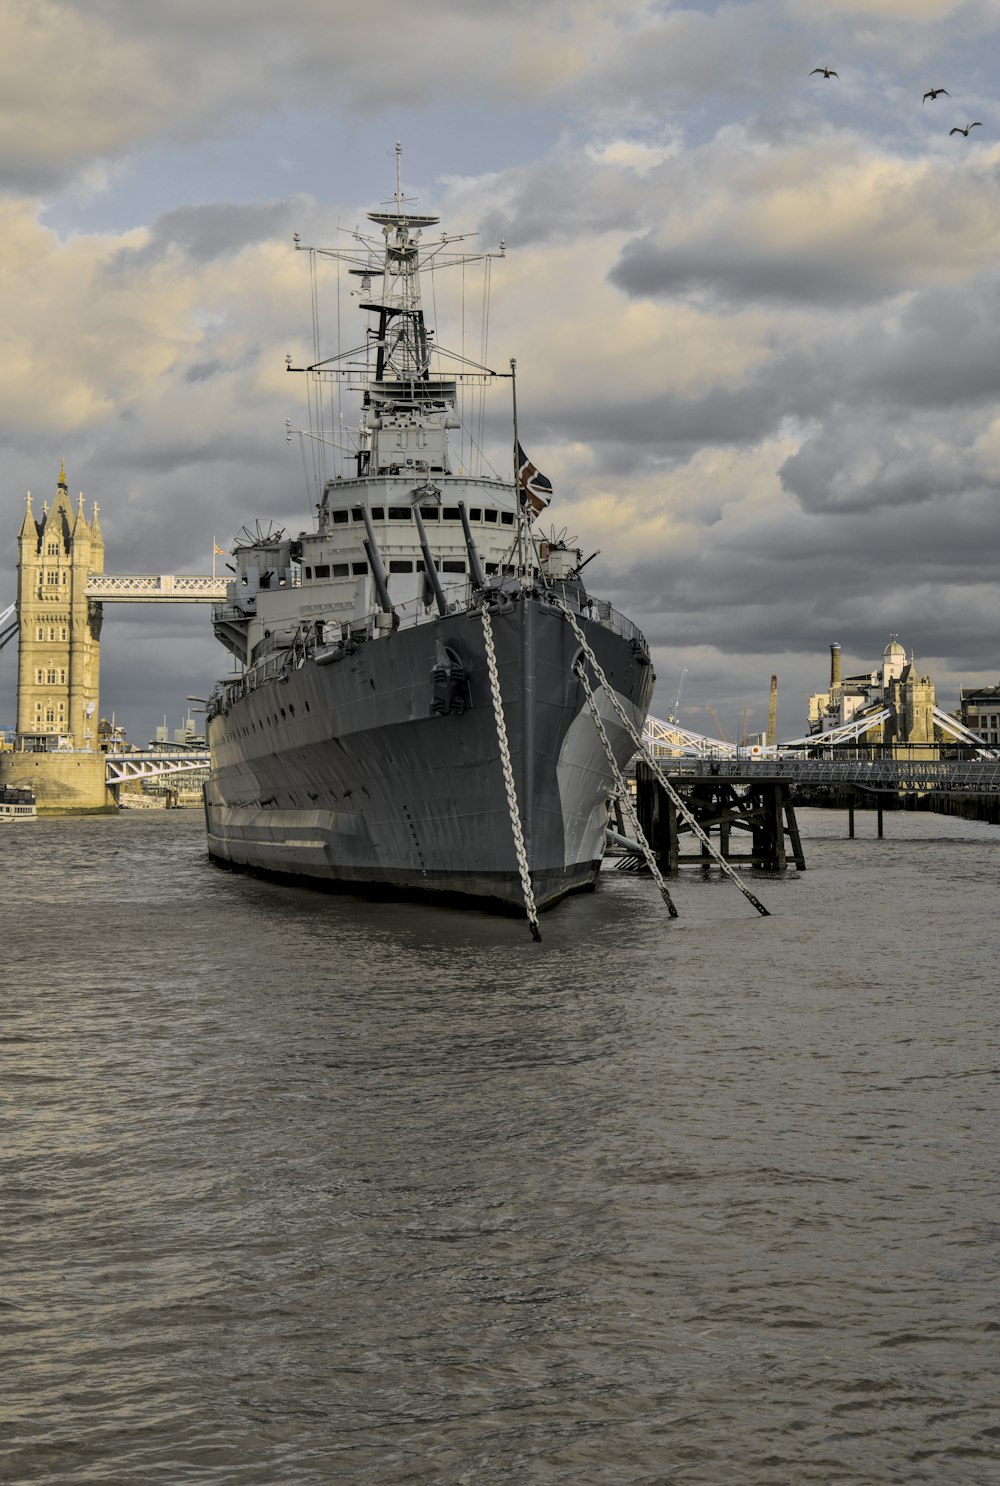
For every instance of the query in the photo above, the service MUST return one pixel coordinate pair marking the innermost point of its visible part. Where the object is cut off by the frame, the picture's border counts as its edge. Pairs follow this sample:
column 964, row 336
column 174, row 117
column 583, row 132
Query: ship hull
column 343, row 773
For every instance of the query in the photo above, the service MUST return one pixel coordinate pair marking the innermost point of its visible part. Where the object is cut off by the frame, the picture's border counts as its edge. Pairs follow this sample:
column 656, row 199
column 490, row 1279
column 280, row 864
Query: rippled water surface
column 300, row 1189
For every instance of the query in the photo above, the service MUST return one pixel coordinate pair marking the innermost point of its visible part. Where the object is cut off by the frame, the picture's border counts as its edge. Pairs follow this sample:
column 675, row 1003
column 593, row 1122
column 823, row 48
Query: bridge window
column 357, row 514
column 341, row 570
column 491, row 568
column 507, row 517
column 322, row 570
column 400, row 513
column 491, row 516
column 400, row 565
column 429, row 513
column 451, row 513
column 453, row 566
column 475, row 514
column 51, row 677
column 309, row 572
column 52, row 550
column 357, row 568
column 378, row 513
column 340, row 517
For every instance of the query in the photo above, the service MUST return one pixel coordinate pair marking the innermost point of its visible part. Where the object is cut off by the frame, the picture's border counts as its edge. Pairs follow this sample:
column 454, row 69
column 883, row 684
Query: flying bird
column 826, row 71
column 958, row 130
column 932, row 93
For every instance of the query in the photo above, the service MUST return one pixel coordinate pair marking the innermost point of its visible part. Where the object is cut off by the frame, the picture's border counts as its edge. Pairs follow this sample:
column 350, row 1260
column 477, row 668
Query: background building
column 979, row 710
column 59, row 641
column 895, row 686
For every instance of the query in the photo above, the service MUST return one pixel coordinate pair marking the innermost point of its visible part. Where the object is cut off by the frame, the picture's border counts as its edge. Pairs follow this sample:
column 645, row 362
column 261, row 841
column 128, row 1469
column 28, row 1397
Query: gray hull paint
column 341, row 773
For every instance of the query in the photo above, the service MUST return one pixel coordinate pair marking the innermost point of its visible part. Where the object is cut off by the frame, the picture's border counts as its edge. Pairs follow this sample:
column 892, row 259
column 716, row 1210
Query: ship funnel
column 834, row 666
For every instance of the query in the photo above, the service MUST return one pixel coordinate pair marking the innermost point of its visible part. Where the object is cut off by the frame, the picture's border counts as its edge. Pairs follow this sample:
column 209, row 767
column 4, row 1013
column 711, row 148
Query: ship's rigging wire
column 464, row 399
column 316, row 410
column 337, row 398
column 305, row 465
column 484, row 339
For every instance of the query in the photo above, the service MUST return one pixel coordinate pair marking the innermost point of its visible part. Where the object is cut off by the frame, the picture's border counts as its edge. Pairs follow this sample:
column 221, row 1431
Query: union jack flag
column 536, row 488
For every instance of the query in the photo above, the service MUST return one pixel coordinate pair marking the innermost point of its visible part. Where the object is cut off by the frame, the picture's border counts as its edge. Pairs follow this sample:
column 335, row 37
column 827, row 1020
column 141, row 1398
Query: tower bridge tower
column 60, row 626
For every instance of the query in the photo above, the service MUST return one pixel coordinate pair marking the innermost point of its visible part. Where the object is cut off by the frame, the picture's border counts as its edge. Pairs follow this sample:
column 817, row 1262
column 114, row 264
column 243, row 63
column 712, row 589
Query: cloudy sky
column 754, row 310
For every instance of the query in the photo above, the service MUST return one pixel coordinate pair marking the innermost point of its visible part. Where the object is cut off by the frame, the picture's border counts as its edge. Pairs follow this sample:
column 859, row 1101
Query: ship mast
column 392, row 369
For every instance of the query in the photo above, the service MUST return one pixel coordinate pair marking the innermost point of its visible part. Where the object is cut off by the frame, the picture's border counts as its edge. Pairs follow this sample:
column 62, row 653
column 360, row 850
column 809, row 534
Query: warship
column 427, row 698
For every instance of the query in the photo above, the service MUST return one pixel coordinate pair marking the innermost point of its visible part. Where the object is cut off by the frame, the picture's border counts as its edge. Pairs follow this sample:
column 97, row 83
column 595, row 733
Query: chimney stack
column 834, row 666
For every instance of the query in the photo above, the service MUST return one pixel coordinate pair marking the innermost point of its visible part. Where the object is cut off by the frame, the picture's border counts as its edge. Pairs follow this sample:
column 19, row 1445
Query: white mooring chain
column 508, row 778
column 671, row 793
column 625, row 795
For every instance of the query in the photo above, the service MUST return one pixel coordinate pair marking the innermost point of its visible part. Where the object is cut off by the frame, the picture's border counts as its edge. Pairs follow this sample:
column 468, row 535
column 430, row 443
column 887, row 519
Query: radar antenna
column 263, row 536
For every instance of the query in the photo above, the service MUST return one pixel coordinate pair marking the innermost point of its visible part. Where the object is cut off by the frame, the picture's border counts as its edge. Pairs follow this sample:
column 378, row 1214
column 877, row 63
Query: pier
column 744, row 798
column 745, row 809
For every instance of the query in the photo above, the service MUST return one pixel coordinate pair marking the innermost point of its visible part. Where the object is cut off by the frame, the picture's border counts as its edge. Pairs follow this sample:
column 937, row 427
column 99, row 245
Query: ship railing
column 459, row 598
column 590, row 608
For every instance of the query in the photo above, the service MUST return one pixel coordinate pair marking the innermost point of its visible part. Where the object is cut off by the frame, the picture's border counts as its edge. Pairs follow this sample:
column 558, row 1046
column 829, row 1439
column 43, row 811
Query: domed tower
column 893, row 661
column 58, row 655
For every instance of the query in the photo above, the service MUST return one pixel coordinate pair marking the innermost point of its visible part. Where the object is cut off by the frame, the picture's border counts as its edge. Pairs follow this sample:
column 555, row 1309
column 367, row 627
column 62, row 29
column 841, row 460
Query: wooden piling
column 732, row 808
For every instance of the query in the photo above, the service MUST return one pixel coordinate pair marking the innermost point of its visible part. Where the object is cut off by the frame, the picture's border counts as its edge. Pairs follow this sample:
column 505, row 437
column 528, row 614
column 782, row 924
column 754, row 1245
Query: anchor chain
column 508, row 778
column 625, row 795
column 671, row 793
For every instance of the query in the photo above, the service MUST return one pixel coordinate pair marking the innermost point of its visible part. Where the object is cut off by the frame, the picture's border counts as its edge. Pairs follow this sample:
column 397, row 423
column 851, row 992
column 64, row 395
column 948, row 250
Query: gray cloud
column 764, row 272
column 220, row 229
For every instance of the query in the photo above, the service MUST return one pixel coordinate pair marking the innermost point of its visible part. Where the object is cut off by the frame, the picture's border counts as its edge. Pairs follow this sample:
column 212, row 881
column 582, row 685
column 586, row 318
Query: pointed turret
column 80, row 543
column 29, row 526
column 80, row 519
column 60, row 515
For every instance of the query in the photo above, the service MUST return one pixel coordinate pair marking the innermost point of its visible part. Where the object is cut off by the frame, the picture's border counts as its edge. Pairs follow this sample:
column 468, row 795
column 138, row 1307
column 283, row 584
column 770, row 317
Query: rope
column 671, row 793
column 625, row 795
column 508, row 778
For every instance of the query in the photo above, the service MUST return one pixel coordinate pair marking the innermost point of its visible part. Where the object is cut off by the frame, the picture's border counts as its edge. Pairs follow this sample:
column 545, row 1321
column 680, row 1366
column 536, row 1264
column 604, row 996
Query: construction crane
column 718, row 724
column 674, row 714
column 772, row 714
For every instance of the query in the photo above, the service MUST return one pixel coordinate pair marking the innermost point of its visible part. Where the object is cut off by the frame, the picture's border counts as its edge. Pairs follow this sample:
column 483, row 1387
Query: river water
column 299, row 1189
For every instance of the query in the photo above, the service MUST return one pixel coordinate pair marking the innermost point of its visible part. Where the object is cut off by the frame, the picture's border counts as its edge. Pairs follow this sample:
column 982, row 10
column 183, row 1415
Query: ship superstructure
column 384, row 655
